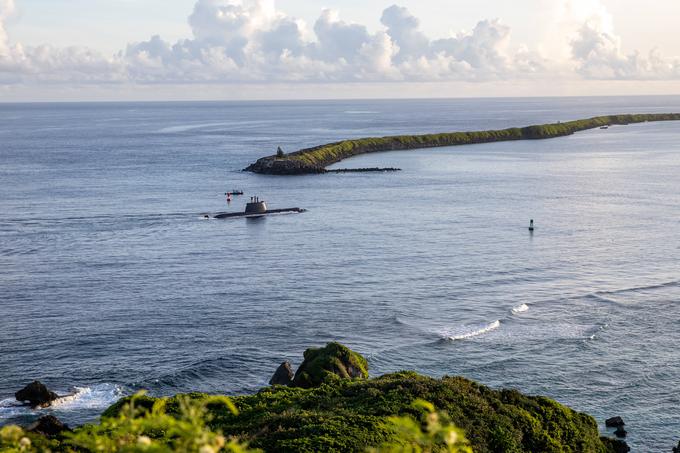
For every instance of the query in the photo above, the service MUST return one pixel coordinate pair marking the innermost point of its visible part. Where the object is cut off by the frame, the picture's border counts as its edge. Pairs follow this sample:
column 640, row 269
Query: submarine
column 257, row 208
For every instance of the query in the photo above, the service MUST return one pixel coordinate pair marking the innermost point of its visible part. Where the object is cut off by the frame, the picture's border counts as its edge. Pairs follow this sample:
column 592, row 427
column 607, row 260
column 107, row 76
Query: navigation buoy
column 531, row 225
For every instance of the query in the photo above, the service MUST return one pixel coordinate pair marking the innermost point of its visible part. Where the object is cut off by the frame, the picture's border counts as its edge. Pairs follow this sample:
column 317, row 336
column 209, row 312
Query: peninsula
column 316, row 159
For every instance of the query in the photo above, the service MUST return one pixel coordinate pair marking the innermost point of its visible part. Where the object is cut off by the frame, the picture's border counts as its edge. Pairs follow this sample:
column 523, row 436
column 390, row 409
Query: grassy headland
column 315, row 160
column 331, row 406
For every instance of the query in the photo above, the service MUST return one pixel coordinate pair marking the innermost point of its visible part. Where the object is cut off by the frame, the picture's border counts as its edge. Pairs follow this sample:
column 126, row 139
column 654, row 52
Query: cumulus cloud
column 251, row 41
column 403, row 29
column 241, row 41
column 599, row 55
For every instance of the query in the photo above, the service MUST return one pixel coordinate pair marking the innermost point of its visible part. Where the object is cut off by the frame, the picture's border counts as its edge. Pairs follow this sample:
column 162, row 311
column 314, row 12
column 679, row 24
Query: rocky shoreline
column 329, row 404
column 315, row 160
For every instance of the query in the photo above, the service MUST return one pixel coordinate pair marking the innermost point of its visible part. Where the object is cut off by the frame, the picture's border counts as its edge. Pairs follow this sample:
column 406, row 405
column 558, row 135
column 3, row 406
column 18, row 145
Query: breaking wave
column 473, row 332
column 97, row 397
column 520, row 309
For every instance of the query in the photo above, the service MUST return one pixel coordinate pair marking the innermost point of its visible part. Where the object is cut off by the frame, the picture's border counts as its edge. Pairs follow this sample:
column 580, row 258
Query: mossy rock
column 328, row 364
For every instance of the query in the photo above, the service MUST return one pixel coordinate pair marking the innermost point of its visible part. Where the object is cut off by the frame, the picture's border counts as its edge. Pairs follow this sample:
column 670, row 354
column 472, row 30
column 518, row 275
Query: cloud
column 7, row 8
column 403, row 29
column 598, row 52
column 236, row 41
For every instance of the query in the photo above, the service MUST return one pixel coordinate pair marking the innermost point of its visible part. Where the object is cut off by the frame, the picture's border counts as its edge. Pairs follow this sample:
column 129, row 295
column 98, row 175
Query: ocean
column 111, row 280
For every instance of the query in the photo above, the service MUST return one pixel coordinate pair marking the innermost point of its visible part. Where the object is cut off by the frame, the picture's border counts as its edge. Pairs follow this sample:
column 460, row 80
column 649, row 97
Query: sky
column 75, row 50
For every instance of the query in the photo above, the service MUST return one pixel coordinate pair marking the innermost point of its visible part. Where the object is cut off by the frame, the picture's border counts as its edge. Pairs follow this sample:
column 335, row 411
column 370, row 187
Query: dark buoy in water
column 531, row 225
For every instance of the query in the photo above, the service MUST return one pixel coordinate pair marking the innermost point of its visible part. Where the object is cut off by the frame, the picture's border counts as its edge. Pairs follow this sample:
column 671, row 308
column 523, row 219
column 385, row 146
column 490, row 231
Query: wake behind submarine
column 256, row 208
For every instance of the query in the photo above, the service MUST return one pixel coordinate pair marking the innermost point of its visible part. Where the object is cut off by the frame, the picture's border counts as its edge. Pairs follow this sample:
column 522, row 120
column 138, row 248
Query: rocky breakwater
column 316, row 159
column 274, row 165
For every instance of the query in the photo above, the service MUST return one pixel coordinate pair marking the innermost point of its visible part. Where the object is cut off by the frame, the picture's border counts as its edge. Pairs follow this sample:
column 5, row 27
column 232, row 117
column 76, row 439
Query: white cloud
column 235, row 41
column 6, row 10
column 403, row 29
column 598, row 52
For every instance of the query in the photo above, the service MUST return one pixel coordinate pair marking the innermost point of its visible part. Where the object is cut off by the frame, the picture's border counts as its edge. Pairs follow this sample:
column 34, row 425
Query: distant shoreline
column 315, row 160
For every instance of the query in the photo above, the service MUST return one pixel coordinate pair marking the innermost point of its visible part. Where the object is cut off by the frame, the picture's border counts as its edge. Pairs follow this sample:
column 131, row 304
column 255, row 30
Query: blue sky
column 63, row 49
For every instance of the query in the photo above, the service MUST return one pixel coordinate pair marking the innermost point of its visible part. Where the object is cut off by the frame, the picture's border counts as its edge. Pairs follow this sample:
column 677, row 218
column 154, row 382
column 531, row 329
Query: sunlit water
column 110, row 280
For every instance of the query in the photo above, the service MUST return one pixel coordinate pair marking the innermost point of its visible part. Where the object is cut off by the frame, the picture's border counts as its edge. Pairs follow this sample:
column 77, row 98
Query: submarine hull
column 232, row 215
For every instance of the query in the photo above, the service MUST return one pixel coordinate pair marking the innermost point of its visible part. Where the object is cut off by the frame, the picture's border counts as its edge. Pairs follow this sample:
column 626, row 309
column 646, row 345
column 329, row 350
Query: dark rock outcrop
column 283, row 375
column 364, row 170
column 36, row 394
column 330, row 363
column 273, row 165
column 49, row 426
column 620, row 432
column 615, row 445
column 614, row 422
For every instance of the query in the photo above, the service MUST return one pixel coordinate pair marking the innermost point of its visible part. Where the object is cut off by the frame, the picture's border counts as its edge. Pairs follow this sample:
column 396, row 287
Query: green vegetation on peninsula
column 315, row 160
column 332, row 406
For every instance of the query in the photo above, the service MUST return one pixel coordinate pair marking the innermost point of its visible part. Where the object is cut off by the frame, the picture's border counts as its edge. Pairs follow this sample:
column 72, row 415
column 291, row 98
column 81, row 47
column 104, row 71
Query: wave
column 598, row 297
column 98, row 397
column 472, row 333
column 95, row 397
column 520, row 309
column 670, row 284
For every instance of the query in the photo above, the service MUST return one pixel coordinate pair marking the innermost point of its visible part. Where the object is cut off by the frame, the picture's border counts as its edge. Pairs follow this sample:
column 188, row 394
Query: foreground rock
column 49, row 426
column 283, row 375
column 36, row 394
column 328, row 364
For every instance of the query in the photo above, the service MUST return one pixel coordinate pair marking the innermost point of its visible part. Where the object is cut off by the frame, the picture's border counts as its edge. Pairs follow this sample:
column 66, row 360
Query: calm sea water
column 110, row 280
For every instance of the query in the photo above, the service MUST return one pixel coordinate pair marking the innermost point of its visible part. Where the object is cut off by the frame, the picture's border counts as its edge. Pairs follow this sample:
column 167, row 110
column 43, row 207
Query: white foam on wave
column 99, row 396
column 464, row 335
column 11, row 408
column 95, row 397
column 520, row 309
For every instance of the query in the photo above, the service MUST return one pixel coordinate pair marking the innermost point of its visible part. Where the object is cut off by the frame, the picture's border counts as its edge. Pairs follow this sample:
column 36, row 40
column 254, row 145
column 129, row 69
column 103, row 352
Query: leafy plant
column 434, row 433
column 138, row 429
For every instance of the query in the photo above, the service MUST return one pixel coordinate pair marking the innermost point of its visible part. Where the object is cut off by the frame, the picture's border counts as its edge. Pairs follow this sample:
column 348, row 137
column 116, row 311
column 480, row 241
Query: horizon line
column 336, row 99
